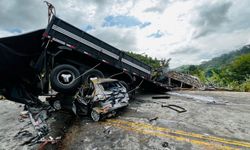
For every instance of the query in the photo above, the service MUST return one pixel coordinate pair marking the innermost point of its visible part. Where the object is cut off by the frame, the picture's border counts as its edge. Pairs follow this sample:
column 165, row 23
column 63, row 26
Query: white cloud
column 190, row 31
column 4, row 33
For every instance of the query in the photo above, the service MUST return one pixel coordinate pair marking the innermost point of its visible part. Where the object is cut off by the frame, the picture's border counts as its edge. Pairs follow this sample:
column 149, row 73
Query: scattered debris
column 217, row 103
column 200, row 98
column 153, row 119
column 31, row 141
column 165, row 144
column 161, row 97
column 25, row 126
column 181, row 80
column 23, row 133
column 177, row 108
column 107, row 130
column 211, row 87
column 50, row 140
column 38, row 139
column 23, row 115
column 20, row 119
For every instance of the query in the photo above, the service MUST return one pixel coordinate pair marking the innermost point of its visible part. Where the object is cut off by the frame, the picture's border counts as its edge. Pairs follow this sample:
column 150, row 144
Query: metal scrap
column 51, row 140
column 177, row 108
column 23, row 115
column 217, row 103
column 152, row 119
column 23, row 133
column 107, row 131
column 165, row 144
column 161, row 97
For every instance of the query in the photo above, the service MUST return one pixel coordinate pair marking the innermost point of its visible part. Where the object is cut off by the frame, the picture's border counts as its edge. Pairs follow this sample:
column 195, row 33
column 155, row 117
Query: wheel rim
column 65, row 77
column 92, row 77
column 95, row 115
column 57, row 105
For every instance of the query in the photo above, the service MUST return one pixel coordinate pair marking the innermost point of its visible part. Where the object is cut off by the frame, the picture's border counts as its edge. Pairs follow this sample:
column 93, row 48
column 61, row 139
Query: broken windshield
column 109, row 86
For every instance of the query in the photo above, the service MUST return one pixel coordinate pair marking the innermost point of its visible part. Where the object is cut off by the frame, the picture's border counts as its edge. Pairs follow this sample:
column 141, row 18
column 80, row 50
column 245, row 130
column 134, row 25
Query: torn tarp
column 16, row 54
column 18, row 79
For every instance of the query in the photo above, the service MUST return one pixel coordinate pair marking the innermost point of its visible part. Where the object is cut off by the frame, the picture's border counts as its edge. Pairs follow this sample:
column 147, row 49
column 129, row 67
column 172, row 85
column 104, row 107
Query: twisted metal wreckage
column 71, row 62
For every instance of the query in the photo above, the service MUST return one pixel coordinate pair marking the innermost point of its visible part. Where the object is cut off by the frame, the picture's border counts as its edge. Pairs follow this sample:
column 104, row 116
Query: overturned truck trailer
column 19, row 77
column 63, row 57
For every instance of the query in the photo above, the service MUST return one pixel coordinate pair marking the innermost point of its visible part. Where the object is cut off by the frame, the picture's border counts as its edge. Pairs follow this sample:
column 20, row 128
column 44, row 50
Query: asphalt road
column 212, row 120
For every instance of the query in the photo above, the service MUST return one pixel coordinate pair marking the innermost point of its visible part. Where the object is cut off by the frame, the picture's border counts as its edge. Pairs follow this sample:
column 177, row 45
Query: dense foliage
column 230, row 70
column 153, row 62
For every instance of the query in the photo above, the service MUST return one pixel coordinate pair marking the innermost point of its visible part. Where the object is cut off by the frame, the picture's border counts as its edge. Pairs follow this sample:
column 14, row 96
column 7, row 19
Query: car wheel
column 63, row 78
column 95, row 115
column 57, row 105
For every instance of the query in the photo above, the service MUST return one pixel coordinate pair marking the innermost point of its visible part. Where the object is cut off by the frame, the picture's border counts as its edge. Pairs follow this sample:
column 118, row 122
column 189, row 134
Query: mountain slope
column 225, row 59
column 230, row 70
column 217, row 62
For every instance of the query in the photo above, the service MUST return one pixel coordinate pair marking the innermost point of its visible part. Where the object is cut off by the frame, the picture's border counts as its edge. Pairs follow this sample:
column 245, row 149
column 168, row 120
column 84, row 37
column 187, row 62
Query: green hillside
column 225, row 59
column 230, row 70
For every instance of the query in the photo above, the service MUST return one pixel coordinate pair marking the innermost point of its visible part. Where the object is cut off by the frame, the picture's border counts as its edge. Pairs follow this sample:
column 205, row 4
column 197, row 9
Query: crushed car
column 108, row 96
column 101, row 98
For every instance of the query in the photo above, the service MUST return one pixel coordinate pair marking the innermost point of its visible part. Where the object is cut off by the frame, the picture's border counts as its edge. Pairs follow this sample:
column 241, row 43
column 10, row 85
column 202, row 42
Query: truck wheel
column 63, row 78
column 57, row 105
column 92, row 74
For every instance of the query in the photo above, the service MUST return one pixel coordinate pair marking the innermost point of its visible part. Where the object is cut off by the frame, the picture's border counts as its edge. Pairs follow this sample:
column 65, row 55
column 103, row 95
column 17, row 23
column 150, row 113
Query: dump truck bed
column 67, row 34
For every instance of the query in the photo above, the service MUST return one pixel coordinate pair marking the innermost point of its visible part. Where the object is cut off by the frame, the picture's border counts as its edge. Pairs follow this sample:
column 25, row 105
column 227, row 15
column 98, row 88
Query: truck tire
column 63, row 77
column 91, row 74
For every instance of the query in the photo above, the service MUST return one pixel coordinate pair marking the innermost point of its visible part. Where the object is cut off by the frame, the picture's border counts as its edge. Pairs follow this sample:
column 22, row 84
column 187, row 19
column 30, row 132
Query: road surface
column 212, row 120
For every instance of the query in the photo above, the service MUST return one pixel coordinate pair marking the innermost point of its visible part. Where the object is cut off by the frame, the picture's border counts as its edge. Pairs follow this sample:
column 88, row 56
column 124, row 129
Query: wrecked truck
column 60, row 59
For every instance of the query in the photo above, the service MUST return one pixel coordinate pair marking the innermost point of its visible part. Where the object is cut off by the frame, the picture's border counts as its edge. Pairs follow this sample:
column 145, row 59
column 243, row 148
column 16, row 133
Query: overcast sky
column 188, row 31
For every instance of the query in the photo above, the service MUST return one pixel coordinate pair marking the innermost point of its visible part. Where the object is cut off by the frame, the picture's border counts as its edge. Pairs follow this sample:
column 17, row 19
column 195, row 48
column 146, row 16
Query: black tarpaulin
column 17, row 52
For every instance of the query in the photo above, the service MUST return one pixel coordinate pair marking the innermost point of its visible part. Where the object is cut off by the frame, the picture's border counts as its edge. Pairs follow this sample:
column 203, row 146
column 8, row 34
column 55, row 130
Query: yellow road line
column 177, row 138
column 182, row 133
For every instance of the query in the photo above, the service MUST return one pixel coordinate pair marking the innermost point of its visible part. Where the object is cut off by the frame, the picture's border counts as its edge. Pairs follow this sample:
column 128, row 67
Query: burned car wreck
column 108, row 95
column 101, row 98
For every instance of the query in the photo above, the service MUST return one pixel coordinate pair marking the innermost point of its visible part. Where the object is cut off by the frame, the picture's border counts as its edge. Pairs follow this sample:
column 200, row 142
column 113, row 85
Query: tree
column 240, row 68
column 154, row 63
